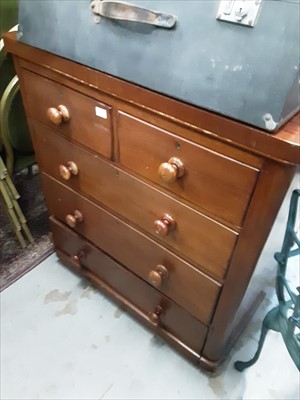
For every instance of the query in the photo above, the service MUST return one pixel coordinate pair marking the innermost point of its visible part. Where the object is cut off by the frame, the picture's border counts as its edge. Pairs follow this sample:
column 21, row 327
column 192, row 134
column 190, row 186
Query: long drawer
column 218, row 184
column 166, row 316
column 191, row 234
column 169, row 274
column 88, row 121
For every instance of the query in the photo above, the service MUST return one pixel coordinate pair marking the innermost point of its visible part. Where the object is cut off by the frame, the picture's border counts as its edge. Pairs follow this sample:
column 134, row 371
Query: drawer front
column 172, row 276
column 173, row 321
column 43, row 100
column 215, row 183
column 198, row 238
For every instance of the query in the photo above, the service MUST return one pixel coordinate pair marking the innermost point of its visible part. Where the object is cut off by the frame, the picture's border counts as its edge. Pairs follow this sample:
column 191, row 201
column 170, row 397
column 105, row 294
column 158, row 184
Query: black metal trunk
column 247, row 69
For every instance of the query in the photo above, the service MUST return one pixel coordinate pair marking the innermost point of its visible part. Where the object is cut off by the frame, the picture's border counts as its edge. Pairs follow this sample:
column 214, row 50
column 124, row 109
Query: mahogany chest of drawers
column 164, row 206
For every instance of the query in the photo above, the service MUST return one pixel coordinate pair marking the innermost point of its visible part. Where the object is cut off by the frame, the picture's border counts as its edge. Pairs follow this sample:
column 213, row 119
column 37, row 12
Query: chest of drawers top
column 282, row 145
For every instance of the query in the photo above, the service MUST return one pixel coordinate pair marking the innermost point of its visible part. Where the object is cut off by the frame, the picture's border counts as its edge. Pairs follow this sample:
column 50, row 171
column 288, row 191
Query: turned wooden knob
column 158, row 275
column 154, row 316
column 73, row 219
column 171, row 170
column 77, row 258
column 164, row 225
column 66, row 171
column 58, row 115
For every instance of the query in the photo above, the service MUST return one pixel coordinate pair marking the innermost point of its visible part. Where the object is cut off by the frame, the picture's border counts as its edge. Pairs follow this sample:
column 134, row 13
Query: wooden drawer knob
column 78, row 257
column 66, row 171
column 58, row 115
column 73, row 219
column 171, row 170
column 154, row 316
column 158, row 275
column 164, row 225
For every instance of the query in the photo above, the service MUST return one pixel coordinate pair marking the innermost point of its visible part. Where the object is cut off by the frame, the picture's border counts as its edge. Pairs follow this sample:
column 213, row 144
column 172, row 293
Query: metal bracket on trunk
column 241, row 12
column 128, row 12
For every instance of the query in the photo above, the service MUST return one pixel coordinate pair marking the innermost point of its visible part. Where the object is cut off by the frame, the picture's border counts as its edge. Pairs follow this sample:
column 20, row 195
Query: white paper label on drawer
column 101, row 112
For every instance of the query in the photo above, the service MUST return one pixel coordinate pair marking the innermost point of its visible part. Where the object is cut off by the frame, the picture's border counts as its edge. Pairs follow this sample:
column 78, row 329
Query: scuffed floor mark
column 274, row 393
column 56, row 295
column 107, row 339
column 94, row 346
column 217, row 386
column 268, row 303
column 106, row 391
column 157, row 341
column 70, row 308
column 118, row 313
column 86, row 293
column 51, row 389
column 83, row 283
column 239, row 345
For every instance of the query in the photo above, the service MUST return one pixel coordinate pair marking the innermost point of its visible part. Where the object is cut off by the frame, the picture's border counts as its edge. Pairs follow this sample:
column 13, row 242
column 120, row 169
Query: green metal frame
column 14, row 161
column 5, row 105
column 284, row 318
column 9, row 197
column 16, row 157
column 8, row 192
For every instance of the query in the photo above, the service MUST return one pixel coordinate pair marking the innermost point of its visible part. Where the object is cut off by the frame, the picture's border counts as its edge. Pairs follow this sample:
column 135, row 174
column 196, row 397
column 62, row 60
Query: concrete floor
column 61, row 339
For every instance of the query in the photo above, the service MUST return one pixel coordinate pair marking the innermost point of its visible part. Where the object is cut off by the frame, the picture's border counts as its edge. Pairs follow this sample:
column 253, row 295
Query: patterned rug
column 15, row 261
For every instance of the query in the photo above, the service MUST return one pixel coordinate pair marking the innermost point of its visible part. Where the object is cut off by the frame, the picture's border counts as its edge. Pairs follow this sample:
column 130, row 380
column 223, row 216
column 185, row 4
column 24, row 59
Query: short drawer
column 198, row 238
column 169, row 274
column 164, row 315
column 74, row 115
column 218, row 184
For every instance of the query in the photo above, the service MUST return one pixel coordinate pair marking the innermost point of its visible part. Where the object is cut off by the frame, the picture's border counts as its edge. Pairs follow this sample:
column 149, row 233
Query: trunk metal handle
column 129, row 12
